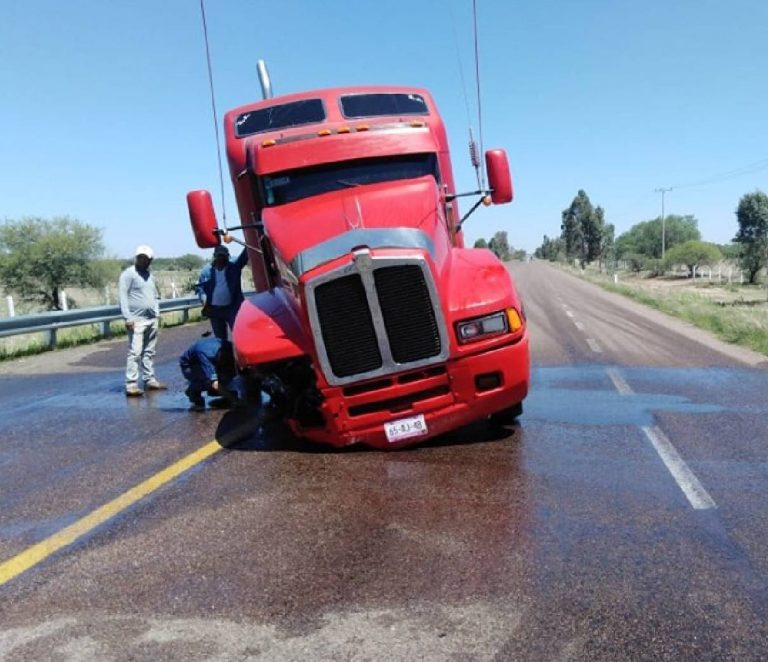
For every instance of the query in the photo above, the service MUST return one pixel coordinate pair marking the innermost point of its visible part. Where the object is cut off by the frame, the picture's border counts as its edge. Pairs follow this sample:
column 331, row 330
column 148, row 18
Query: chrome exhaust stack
column 266, row 84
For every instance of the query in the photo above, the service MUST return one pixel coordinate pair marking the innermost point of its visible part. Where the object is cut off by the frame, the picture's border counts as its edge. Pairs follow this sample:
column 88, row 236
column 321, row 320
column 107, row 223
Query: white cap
column 144, row 250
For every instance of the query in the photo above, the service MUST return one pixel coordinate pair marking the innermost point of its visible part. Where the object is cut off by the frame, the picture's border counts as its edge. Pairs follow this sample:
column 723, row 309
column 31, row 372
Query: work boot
column 198, row 403
column 154, row 385
column 133, row 390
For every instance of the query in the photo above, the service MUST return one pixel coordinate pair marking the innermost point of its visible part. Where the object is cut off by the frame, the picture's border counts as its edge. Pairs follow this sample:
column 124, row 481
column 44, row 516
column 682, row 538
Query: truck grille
column 378, row 320
column 347, row 326
column 408, row 316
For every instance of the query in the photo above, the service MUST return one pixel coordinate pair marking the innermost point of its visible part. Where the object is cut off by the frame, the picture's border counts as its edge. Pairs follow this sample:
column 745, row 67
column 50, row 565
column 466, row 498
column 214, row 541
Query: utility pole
column 663, row 220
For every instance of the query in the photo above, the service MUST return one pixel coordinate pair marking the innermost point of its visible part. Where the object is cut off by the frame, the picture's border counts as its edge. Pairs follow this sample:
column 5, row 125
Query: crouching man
column 209, row 366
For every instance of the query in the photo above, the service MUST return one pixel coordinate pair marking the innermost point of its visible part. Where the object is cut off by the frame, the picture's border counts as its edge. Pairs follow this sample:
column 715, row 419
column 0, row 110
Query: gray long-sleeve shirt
column 139, row 296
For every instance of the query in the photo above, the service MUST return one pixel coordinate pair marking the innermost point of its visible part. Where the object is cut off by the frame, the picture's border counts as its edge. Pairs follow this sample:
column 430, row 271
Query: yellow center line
column 42, row 550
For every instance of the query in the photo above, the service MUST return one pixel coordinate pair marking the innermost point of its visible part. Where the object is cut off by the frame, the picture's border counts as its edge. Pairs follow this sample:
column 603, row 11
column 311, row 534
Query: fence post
column 11, row 309
column 174, row 293
column 106, row 294
column 63, row 299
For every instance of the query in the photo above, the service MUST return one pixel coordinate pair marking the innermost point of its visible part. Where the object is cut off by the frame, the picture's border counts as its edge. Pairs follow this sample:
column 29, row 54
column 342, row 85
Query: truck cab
column 372, row 323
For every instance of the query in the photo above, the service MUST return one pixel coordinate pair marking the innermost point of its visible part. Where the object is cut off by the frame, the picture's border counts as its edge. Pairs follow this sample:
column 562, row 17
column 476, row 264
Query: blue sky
column 107, row 114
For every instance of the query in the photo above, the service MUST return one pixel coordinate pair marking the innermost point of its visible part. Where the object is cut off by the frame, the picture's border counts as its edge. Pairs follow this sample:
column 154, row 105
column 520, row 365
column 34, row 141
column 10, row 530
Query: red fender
column 268, row 329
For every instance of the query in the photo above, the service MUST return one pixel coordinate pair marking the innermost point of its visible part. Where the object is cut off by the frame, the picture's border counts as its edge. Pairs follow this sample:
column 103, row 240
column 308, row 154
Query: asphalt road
column 624, row 518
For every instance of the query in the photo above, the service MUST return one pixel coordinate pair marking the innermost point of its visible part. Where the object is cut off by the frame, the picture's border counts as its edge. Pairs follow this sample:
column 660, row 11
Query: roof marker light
column 324, row 132
column 417, row 124
column 362, row 127
column 343, row 129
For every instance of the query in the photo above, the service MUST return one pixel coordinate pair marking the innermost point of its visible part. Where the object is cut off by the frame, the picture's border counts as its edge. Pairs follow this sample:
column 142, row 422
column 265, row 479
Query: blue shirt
column 202, row 355
column 233, row 273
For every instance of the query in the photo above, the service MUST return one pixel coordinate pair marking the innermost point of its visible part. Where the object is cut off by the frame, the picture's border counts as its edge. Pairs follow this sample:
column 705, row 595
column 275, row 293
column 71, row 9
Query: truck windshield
column 292, row 185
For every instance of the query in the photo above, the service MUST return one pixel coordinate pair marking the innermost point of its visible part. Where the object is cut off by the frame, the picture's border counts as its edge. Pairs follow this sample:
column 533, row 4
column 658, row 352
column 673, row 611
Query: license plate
column 414, row 426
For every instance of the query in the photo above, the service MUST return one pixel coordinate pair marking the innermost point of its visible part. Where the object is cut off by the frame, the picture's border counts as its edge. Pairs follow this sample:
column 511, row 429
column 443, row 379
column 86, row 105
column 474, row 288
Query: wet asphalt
column 565, row 537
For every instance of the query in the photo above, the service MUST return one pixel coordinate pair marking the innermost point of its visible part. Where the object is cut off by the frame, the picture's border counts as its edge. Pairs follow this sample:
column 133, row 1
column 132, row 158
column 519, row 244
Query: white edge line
column 694, row 491
column 594, row 346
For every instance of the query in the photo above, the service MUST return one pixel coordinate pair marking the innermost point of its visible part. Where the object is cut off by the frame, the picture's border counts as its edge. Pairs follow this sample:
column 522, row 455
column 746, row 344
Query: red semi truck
column 372, row 323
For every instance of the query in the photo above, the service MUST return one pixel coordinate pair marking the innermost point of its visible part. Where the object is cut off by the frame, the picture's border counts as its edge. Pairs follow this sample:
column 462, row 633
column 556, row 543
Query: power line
column 748, row 169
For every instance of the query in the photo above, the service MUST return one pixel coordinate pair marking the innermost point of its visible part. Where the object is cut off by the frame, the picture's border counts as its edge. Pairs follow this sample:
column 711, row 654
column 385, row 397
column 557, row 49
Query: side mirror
column 499, row 179
column 203, row 219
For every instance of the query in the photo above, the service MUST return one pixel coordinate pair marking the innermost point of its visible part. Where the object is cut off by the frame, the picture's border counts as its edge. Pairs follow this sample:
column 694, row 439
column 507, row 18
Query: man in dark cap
column 220, row 290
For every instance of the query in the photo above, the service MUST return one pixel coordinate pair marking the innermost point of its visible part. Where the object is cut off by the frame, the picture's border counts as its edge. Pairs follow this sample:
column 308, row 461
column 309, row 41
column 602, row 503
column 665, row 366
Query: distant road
column 624, row 518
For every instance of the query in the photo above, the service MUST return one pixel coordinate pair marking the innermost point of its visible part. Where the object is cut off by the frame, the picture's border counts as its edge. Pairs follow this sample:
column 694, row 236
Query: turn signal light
column 268, row 143
column 514, row 319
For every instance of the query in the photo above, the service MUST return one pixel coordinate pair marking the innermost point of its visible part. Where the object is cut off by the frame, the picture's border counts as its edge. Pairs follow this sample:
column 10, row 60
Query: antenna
column 215, row 116
column 477, row 79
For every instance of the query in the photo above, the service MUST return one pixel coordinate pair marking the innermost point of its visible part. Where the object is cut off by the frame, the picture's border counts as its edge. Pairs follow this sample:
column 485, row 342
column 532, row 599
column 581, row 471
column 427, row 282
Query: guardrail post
column 185, row 316
column 51, row 338
column 106, row 329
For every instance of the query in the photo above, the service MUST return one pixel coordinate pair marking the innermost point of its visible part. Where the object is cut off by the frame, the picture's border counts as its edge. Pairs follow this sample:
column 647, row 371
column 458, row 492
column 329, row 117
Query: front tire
column 507, row 416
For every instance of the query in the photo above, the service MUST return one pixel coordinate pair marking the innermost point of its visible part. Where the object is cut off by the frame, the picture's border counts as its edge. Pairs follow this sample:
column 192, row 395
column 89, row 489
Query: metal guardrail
column 52, row 321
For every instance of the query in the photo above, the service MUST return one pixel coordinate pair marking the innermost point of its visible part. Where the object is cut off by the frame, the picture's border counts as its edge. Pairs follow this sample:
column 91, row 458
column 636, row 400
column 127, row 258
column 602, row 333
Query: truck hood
column 315, row 230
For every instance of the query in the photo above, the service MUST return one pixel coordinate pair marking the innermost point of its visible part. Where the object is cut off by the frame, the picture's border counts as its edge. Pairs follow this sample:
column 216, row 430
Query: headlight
column 482, row 327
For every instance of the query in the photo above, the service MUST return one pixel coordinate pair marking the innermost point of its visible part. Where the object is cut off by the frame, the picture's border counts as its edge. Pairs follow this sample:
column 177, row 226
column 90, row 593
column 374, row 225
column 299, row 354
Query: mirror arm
column 225, row 233
column 453, row 196
column 483, row 196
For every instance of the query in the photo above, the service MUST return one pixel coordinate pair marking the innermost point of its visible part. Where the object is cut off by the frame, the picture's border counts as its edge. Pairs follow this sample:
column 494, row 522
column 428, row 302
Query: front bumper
column 448, row 395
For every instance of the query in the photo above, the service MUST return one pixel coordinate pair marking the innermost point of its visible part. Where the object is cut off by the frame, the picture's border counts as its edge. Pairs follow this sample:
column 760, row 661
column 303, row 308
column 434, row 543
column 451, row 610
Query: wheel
column 507, row 416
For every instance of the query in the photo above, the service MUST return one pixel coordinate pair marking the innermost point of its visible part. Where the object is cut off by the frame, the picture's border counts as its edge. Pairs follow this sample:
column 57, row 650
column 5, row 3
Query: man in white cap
column 140, row 306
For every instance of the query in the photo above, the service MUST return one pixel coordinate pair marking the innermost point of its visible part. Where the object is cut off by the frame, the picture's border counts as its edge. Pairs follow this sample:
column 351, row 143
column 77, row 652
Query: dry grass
column 736, row 313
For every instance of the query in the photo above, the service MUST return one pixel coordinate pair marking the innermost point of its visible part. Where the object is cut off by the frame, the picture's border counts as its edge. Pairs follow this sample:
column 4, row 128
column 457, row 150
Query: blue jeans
column 222, row 319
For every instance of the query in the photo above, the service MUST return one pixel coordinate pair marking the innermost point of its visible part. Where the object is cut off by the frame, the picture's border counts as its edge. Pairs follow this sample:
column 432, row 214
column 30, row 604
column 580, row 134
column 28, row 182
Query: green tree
column 752, row 215
column 39, row 257
column 607, row 248
column 730, row 251
column 645, row 238
column 693, row 254
column 571, row 229
column 186, row 262
column 550, row 249
column 500, row 245
column 582, row 229
column 481, row 243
